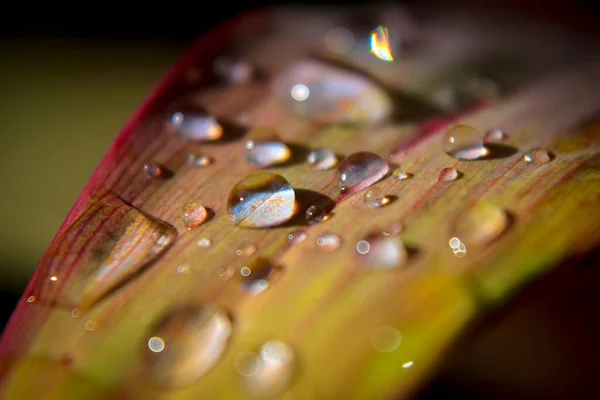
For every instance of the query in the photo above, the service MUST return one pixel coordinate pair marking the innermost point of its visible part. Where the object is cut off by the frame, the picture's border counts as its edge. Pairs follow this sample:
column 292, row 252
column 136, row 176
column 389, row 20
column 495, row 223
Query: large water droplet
column 381, row 251
column 537, row 157
column 193, row 214
column 186, row 345
column 274, row 372
column 480, row 224
column 264, row 148
column 196, row 126
column 322, row 158
column 261, row 200
column 109, row 244
column 258, row 275
column 360, row 170
column 318, row 91
column 448, row 174
column 464, row 142
column 329, row 242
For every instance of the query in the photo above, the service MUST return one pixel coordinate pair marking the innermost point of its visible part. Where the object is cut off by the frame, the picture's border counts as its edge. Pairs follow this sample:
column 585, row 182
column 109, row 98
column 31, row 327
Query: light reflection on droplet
column 183, row 269
column 31, row 299
column 75, row 313
column 316, row 214
column 297, row 237
column 494, row 135
column 204, row 243
column 400, row 175
column 461, row 250
column 152, row 170
column 156, row 344
column 300, row 92
column 193, row 215
column 90, row 325
column 448, row 174
column 329, row 242
column 382, row 252
column 363, row 247
column 199, row 160
column 196, row 126
column 464, row 142
column 454, row 243
column 322, row 158
column 386, row 339
column 408, row 364
column 537, row 157
column 380, row 44
column 360, row 170
column 245, row 271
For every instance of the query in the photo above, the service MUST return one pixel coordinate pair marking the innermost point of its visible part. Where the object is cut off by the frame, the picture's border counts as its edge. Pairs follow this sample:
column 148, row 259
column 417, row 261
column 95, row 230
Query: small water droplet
column 339, row 40
column 386, row 339
column 276, row 366
column 190, row 341
column 246, row 250
column 329, row 242
column 464, row 142
column 184, row 269
column 75, row 313
column 494, row 135
column 376, row 197
column 400, row 175
column 316, row 214
column 537, row 157
column 448, row 174
column 394, row 229
column 381, row 252
column 235, row 71
column 264, row 148
column 193, row 214
column 31, row 299
column 380, row 44
column 204, row 243
column 360, row 170
column 196, row 126
column 260, row 200
column 322, row 158
column 153, row 170
column 454, row 243
column 258, row 275
column 226, row 273
column 480, row 223
column 461, row 250
column 90, row 325
column 199, row 160
column 297, row 237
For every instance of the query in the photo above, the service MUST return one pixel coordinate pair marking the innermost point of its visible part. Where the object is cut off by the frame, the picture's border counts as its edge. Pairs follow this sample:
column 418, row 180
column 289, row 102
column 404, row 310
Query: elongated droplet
column 375, row 197
column 381, row 252
column 316, row 214
column 261, row 200
column 275, row 370
column 264, row 148
column 258, row 275
column 186, row 345
column 464, row 142
column 199, row 160
column 323, row 93
column 196, row 126
column 494, row 135
column 400, row 175
column 234, row 71
column 193, row 215
column 104, row 248
column 537, row 157
column 360, row 170
column 380, row 44
column 448, row 174
column 322, row 158
column 480, row 224
column 329, row 242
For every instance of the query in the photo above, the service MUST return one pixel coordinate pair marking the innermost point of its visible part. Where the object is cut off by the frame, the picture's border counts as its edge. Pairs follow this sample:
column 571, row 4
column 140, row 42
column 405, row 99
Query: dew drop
column 264, row 148
column 329, row 242
column 260, row 200
column 190, row 341
column 193, row 214
column 480, row 224
column 400, row 175
column 297, row 237
column 258, row 275
column 464, row 142
column 386, row 339
column 381, row 252
column 226, row 273
column 153, row 170
column 234, row 71
column 75, row 313
column 448, row 174
column 376, row 197
column 276, row 366
column 54, row 278
column 322, row 158
column 360, row 170
column 494, row 135
column 537, row 157
column 204, row 243
column 323, row 93
column 196, row 126
column 394, row 229
column 316, row 214
column 199, row 160
column 31, row 299
column 380, row 44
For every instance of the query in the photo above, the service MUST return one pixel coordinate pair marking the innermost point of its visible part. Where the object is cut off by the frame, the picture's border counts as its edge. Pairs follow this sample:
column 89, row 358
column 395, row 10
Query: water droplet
column 381, row 252
column 376, row 197
column 119, row 240
column 199, row 160
column 258, row 275
column 329, row 242
column 260, row 200
column 193, row 214
column 204, row 243
column 276, row 366
column 537, row 157
column 246, row 250
column 75, row 313
column 193, row 340
column 323, row 93
column 153, row 170
column 400, row 175
column 494, row 135
column 461, row 250
column 184, row 269
column 316, row 214
column 226, row 273
column 235, row 71
column 454, row 243
column 408, row 364
column 464, row 142
column 380, row 44
column 386, row 339
column 196, row 126
column 31, row 299
column 360, row 170
column 480, row 223
column 264, row 148
column 339, row 40
column 448, row 174
column 394, row 229
column 54, row 278
column 90, row 325
column 322, row 158
column 297, row 237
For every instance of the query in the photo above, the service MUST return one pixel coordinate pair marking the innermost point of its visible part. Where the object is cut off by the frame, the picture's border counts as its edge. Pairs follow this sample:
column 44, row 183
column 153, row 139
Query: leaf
column 90, row 327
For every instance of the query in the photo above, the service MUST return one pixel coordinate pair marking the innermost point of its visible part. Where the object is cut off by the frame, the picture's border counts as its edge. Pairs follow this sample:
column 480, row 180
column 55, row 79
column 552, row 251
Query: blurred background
column 69, row 80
